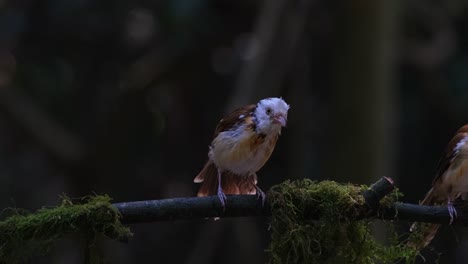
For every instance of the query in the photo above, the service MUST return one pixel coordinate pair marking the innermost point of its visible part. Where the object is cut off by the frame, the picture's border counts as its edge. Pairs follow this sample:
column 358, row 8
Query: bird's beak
column 279, row 119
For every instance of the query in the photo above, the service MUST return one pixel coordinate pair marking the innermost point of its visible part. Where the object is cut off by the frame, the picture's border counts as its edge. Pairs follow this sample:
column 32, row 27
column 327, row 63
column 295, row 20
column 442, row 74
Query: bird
column 243, row 142
column 449, row 184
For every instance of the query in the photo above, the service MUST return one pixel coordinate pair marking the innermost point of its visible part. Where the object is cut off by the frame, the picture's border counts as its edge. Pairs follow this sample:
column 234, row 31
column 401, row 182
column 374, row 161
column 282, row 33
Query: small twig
column 377, row 191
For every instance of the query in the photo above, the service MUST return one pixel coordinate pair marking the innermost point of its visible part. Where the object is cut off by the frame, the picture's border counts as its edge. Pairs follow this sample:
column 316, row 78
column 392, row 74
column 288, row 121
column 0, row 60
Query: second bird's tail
column 423, row 233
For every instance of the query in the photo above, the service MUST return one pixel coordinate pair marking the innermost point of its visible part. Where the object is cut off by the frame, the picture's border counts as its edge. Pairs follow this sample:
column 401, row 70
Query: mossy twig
column 336, row 234
column 22, row 235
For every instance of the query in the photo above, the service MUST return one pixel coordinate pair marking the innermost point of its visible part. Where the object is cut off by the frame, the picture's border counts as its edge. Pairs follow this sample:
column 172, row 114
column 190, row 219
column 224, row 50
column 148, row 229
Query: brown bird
column 243, row 142
column 450, row 183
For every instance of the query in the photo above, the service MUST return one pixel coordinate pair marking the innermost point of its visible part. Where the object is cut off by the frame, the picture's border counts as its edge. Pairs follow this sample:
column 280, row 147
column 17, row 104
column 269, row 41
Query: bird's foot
column 452, row 211
column 222, row 198
column 260, row 194
column 221, row 194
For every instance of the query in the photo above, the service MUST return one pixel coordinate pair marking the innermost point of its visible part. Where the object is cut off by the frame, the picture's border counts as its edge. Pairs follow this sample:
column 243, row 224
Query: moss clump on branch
column 22, row 235
column 319, row 222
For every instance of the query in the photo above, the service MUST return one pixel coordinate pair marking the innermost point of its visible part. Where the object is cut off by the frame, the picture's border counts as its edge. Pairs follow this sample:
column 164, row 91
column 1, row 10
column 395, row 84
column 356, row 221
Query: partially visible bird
column 243, row 142
column 450, row 183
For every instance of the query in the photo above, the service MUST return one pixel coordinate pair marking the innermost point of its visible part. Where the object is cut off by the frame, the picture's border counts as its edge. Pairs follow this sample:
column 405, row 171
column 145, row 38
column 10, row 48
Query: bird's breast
column 241, row 150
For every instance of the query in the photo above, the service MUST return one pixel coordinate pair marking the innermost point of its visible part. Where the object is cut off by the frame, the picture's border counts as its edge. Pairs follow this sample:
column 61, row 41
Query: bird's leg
column 451, row 209
column 260, row 193
column 221, row 195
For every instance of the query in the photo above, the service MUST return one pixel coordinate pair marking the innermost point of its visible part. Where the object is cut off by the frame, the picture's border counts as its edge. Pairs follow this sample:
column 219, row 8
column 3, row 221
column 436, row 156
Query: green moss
column 25, row 234
column 337, row 236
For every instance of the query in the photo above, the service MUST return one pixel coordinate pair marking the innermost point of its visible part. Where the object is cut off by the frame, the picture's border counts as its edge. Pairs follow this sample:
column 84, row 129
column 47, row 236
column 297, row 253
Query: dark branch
column 190, row 208
column 249, row 205
column 377, row 191
column 423, row 213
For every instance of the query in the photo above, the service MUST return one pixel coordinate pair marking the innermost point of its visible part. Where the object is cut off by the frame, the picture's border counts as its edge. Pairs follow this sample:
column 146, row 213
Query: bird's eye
column 268, row 111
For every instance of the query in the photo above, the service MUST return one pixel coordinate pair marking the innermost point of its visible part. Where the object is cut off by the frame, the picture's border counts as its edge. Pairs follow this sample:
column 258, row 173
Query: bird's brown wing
column 235, row 118
column 451, row 152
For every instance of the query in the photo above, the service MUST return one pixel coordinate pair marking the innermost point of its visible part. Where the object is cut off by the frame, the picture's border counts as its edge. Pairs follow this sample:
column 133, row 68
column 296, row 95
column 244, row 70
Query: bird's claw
column 222, row 198
column 452, row 212
column 260, row 194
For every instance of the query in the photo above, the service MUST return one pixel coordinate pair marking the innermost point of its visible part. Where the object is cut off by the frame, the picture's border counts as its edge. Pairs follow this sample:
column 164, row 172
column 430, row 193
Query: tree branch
column 423, row 213
column 249, row 205
column 190, row 208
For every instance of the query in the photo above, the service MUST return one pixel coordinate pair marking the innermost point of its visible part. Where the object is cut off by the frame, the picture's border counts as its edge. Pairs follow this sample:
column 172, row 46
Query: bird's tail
column 423, row 233
column 231, row 183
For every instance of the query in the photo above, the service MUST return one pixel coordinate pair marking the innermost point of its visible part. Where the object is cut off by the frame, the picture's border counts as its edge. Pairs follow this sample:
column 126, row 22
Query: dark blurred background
column 121, row 97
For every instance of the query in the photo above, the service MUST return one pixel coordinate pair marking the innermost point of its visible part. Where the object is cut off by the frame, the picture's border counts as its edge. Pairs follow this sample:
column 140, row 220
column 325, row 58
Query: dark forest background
column 121, row 97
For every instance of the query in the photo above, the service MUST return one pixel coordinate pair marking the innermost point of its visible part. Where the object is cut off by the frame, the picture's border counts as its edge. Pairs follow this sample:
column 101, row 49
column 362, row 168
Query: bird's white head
column 271, row 114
